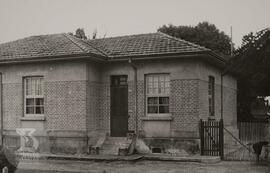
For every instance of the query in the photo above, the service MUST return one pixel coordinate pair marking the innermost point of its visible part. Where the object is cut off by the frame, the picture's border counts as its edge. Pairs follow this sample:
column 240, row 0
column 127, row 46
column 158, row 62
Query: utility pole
column 231, row 42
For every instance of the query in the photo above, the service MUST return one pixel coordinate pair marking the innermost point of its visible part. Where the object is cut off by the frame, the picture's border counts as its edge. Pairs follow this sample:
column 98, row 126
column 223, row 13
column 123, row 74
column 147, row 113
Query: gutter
column 221, row 95
column 52, row 58
column 136, row 93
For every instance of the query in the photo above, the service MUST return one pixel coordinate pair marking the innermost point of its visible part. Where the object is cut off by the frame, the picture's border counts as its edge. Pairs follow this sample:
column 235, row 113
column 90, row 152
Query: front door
column 119, row 106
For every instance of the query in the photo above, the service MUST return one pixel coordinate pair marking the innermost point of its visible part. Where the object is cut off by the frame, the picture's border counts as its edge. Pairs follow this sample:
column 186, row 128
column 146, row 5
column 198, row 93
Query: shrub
column 8, row 159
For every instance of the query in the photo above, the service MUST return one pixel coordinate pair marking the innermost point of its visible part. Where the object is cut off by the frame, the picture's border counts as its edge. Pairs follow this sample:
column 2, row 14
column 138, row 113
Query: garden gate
column 211, row 133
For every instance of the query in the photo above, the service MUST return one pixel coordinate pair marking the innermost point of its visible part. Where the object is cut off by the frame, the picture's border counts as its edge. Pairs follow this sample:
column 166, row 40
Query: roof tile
column 144, row 44
column 114, row 47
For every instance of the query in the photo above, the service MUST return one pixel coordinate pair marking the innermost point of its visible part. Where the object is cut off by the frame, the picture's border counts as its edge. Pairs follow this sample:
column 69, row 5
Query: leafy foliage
column 8, row 159
column 204, row 34
column 79, row 33
column 251, row 63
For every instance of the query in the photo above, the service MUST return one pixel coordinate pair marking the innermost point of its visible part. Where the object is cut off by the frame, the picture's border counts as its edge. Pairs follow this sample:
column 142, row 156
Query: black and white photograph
column 134, row 86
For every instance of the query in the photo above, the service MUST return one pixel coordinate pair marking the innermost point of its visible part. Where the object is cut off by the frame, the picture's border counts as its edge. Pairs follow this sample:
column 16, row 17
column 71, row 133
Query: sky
column 23, row 18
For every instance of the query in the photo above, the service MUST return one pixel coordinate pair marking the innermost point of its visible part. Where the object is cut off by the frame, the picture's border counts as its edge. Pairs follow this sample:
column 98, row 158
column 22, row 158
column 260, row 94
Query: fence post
column 221, row 139
column 202, row 137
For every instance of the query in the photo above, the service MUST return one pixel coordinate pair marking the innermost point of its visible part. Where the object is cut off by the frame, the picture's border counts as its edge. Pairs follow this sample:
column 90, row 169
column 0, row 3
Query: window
column 157, row 93
column 33, row 96
column 119, row 80
column 211, row 95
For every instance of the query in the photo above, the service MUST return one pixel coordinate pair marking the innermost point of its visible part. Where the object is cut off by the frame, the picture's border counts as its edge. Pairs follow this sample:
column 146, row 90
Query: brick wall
column 105, row 104
column 93, row 105
column 131, row 106
column 184, row 104
column 141, row 102
column 12, row 105
column 65, row 105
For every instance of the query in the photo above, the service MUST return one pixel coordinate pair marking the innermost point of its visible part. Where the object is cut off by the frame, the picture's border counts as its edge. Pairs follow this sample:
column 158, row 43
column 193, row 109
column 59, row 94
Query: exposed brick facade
column 12, row 105
column 93, row 105
column 65, row 105
column 104, row 117
column 188, row 104
column 131, row 107
column 83, row 105
column 141, row 103
column 184, row 104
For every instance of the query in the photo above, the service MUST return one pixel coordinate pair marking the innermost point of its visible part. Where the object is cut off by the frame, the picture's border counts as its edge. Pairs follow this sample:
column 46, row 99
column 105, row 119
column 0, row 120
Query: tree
column 94, row 35
column 204, row 34
column 251, row 64
column 80, row 34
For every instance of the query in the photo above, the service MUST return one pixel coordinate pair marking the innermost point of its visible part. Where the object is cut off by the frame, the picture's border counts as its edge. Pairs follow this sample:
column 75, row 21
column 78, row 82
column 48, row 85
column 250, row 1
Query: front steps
column 112, row 145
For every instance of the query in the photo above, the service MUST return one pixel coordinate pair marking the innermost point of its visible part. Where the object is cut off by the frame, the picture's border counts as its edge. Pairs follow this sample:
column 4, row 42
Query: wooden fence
column 252, row 132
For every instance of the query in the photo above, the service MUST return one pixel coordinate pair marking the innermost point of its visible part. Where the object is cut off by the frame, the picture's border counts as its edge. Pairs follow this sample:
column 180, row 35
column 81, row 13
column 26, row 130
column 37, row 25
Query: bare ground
column 141, row 167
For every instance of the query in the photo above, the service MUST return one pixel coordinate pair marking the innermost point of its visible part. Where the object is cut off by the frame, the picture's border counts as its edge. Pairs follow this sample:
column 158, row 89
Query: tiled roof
column 115, row 47
column 44, row 46
column 144, row 44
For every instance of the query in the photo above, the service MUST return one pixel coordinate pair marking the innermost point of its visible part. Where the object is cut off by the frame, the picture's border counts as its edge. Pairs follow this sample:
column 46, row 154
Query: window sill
column 166, row 117
column 33, row 118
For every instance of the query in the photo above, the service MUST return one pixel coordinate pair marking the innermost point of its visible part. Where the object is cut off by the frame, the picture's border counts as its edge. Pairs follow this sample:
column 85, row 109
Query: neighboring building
column 73, row 91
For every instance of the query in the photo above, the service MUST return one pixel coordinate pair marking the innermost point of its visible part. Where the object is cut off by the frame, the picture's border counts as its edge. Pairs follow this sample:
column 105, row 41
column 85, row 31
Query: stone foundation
column 55, row 142
column 174, row 146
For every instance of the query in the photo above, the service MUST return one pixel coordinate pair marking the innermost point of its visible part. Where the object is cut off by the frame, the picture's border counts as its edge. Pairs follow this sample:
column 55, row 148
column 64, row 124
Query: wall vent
column 156, row 150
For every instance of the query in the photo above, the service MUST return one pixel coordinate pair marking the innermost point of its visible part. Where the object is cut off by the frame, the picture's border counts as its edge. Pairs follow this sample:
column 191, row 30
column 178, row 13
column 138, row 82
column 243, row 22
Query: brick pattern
column 82, row 105
column 93, row 105
column 65, row 105
column 184, row 104
column 141, row 102
column 105, row 104
column 98, row 106
column 131, row 107
column 12, row 105
column 140, row 105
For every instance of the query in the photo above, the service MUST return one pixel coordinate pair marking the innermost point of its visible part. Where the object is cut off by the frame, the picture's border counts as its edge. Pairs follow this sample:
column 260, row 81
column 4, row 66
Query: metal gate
column 211, row 133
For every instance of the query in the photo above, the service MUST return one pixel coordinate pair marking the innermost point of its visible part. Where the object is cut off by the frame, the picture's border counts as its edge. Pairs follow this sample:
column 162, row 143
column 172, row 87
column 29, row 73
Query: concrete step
column 115, row 139
column 112, row 144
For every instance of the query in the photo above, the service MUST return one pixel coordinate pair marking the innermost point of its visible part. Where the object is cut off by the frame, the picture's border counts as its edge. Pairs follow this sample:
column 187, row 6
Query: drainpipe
column 1, row 110
column 135, row 89
column 221, row 93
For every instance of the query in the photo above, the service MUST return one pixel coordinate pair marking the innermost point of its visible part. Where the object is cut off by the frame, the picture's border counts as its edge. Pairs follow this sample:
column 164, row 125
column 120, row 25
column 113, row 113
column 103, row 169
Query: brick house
column 74, row 91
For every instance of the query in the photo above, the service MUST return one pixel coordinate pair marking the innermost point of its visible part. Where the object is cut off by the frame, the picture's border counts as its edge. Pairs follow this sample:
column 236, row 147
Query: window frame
column 157, row 95
column 25, row 96
column 211, row 95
